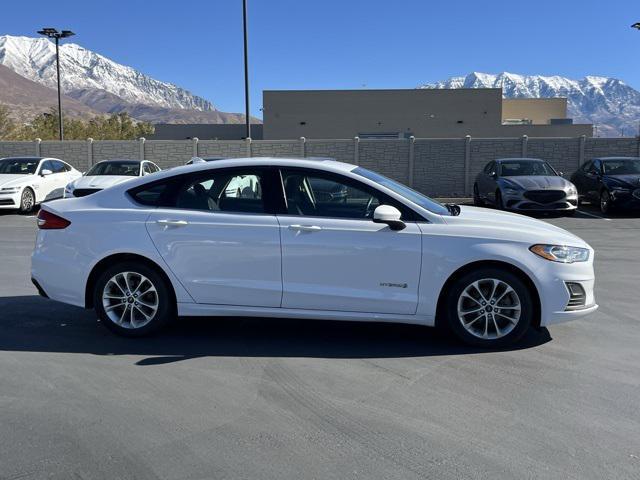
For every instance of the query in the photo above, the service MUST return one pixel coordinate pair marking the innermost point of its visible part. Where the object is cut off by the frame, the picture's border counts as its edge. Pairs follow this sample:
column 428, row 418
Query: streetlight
column 246, row 70
column 53, row 33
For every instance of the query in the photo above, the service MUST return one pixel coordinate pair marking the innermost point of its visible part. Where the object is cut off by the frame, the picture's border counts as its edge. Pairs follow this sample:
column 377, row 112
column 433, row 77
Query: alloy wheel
column 130, row 300
column 489, row 308
column 27, row 200
column 605, row 202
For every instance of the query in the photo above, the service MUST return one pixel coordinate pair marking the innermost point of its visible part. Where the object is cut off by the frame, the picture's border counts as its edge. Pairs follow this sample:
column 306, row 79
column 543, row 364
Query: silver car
column 524, row 184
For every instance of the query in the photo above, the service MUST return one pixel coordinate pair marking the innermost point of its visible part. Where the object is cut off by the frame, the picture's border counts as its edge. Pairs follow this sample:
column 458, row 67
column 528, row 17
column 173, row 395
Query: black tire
column 499, row 204
column 27, row 201
column 477, row 201
column 605, row 202
column 526, row 315
column 164, row 295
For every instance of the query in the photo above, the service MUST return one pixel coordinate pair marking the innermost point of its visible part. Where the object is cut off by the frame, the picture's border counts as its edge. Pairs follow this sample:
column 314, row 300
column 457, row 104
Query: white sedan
column 107, row 174
column 263, row 237
column 28, row 181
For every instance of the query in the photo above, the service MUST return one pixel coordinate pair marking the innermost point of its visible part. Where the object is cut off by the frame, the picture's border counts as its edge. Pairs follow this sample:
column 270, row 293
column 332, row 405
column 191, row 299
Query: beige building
column 422, row 113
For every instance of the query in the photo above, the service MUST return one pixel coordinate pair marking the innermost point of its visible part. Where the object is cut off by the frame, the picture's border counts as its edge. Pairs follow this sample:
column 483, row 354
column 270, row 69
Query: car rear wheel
column 489, row 307
column 27, row 200
column 133, row 300
column 477, row 201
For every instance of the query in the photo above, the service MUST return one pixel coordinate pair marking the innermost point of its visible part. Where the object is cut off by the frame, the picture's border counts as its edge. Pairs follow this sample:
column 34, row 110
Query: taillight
column 50, row 221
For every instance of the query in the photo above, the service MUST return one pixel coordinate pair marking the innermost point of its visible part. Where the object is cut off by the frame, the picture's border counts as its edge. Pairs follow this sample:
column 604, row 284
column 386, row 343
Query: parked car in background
column 524, row 184
column 28, row 181
column 251, row 237
column 108, row 173
column 611, row 182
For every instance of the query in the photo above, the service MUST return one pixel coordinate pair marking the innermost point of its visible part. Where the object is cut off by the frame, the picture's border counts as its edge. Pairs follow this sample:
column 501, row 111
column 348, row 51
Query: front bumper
column 521, row 202
column 10, row 201
column 626, row 199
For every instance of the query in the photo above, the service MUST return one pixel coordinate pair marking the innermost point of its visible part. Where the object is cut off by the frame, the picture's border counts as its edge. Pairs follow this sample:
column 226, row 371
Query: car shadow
column 33, row 324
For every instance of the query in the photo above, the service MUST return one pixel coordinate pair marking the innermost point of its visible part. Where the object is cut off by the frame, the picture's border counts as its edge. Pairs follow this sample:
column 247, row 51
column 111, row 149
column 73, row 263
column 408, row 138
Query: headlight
column 511, row 191
column 68, row 190
column 561, row 253
column 572, row 191
column 10, row 190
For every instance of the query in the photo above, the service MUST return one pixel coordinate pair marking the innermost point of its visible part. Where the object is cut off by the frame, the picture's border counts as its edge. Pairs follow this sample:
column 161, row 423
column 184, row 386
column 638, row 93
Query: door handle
column 172, row 223
column 305, row 228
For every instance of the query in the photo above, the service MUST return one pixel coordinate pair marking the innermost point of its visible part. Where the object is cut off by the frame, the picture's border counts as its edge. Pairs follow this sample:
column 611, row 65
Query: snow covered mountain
column 34, row 58
column 608, row 103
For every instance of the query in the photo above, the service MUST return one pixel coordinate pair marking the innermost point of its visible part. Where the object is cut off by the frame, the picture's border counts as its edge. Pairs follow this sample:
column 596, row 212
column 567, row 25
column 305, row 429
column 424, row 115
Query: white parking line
column 594, row 215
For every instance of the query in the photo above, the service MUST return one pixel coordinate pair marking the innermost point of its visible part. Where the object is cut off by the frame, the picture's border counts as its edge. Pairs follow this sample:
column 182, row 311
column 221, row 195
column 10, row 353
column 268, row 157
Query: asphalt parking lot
column 280, row 399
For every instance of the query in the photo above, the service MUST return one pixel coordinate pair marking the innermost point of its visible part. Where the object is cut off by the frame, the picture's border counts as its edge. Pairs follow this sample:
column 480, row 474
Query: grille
column 544, row 196
column 577, row 296
column 83, row 192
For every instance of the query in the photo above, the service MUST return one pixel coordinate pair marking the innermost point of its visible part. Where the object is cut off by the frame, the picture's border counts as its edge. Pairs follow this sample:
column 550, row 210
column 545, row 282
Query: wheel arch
column 106, row 262
column 470, row 267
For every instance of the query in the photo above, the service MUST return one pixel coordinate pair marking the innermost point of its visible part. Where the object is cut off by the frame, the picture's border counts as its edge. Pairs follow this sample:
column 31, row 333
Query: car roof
column 325, row 164
column 130, row 160
column 25, row 157
column 520, row 159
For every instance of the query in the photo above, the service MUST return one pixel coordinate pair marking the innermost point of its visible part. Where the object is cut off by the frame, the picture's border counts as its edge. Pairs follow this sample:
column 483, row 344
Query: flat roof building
column 422, row 113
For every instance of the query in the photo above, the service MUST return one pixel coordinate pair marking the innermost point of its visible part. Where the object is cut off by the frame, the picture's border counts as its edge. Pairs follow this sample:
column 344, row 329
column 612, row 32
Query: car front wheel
column 27, row 200
column 477, row 201
column 489, row 307
column 133, row 300
column 605, row 202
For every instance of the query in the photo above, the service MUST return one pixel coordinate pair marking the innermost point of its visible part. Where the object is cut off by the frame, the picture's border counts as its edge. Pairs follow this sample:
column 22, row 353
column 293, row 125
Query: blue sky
column 305, row 44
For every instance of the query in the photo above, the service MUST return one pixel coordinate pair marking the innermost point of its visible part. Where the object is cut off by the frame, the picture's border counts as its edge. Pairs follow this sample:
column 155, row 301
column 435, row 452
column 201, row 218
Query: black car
column 613, row 182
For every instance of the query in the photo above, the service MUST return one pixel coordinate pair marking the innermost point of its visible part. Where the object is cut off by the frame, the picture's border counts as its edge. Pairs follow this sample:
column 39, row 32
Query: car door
column 46, row 184
column 578, row 178
column 334, row 257
column 592, row 180
column 489, row 182
column 224, row 249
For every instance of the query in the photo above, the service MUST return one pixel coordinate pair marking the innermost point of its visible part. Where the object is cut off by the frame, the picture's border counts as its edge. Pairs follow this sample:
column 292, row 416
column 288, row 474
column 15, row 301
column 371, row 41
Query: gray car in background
column 524, row 184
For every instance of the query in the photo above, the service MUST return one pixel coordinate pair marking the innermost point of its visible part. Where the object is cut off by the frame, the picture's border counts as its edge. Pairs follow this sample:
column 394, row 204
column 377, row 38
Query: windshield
column 521, row 168
column 19, row 166
column 404, row 191
column 124, row 168
column 621, row 166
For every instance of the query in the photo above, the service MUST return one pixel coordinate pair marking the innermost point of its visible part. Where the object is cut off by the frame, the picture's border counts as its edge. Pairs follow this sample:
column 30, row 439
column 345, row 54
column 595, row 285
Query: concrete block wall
column 562, row 153
column 388, row 157
column 168, row 153
column 73, row 152
column 341, row 150
column 437, row 167
column 112, row 149
column 15, row 149
column 215, row 148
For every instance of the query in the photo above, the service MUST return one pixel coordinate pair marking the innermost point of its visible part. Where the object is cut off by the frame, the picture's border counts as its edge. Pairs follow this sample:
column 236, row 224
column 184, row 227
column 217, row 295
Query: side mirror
column 494, row 174
column 389, row 215
column 44, row 172
column 561, row 174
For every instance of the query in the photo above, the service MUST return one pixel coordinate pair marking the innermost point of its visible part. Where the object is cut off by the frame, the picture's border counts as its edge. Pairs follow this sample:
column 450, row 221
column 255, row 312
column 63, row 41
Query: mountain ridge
column 609, row 103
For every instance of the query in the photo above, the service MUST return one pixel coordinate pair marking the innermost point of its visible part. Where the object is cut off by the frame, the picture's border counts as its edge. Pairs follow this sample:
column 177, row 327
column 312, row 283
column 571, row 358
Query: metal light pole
column 246, row 70
column 53, row 33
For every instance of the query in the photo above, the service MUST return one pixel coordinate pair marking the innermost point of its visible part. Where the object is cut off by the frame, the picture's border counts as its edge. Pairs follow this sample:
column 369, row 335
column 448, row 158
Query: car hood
column 11, row 180
column 632, row 180
column 495, row 224
column 537, row 182
column 101, row 181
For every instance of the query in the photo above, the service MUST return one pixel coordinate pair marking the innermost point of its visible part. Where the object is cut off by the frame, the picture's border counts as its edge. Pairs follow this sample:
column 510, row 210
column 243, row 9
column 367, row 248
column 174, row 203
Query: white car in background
column 107, row 174
column 252, row 237
column 28, row 181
